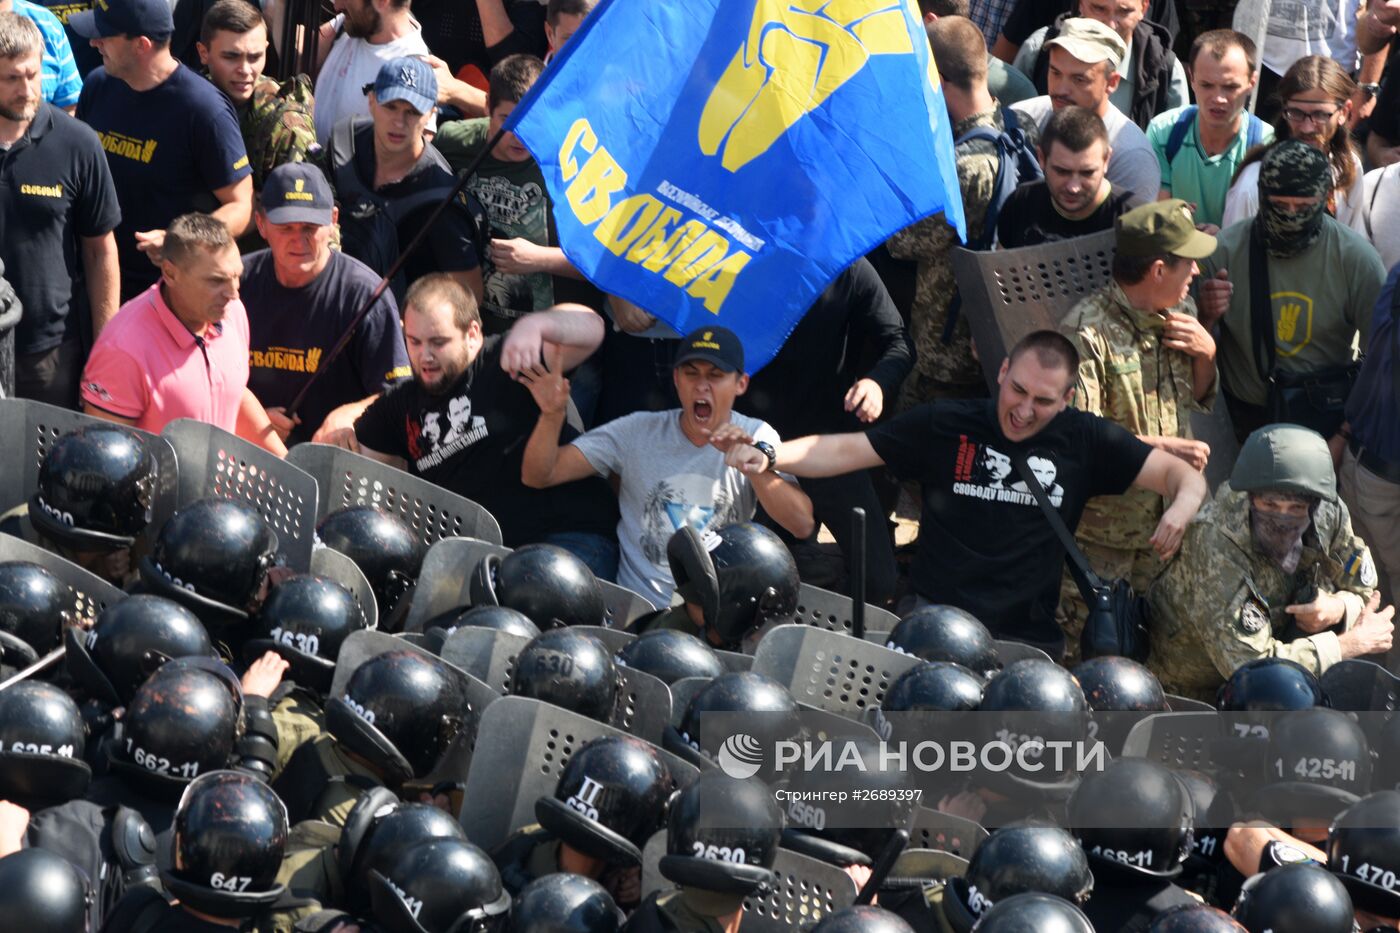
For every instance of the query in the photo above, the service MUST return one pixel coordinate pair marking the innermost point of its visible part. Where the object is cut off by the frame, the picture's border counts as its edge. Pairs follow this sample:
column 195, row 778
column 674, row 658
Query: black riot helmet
column 439, row 886
column 400, row 711
column 40, row 892
column 946, row 633
column 863, row 920
column 497, row 618
column 1318, row 764
column 1363, row 850
column 551, row 586
column 379, row 828
column 383, row 546
column 1017, row 859
column 213, row 554
column 184, row 721
column 564, row 903
column 1041, row 913
column 41, row 744
column 226, row 845
column 1114, row 684
column 305, row 619
column 569, row 669
column 96, row 489
column 1053, row 708
column 741, row 576
column 609, row 800
column 1197, row 918
column 768, row 712
column 934, row 686
column 1265, row 684
column 880, row 802
column 1297, row 898
column 1133, row 818
column 130, row 639
column 722, row 835
column 670, row 655
column 34, row 604
column 1214, row 811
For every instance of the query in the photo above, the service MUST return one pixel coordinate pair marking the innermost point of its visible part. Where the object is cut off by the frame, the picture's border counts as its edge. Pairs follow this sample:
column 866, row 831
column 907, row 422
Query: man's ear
column 1005, row 367
column 203, row 53
column 741, row 385
column 335, row 215
column 1114, row 78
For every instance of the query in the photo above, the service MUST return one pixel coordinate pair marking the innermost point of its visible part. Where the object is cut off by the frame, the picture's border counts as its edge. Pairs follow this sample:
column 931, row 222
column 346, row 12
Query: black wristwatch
column 767, row 450
column 1370, row 90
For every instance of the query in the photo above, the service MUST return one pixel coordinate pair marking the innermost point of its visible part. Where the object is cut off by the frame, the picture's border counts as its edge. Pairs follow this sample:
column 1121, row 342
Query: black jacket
column 1153, row 61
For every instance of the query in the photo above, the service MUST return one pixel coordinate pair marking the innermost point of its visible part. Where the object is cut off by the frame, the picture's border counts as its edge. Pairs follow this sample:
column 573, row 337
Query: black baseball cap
column 297, row 193
column 108, row 18
column 717, row 345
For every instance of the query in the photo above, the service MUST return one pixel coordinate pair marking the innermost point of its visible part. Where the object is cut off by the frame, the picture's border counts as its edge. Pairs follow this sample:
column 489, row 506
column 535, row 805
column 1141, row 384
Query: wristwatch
column 767, row 450
column 1370, row 90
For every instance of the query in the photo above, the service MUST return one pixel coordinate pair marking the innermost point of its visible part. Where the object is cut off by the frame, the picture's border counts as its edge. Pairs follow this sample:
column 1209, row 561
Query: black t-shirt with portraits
column 471, row 440
column 984, row 544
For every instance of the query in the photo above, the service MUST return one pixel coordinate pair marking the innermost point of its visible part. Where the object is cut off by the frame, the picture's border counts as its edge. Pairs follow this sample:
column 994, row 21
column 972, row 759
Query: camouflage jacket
column 1221, row 603
column 929, row 242
column 1128, row 377
column 277, row 126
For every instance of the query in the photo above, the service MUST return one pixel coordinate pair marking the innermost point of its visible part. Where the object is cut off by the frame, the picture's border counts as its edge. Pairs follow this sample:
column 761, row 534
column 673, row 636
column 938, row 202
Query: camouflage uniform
column 1128, row 377
column 276, row 125
column 947, row 370
column 1220, row 602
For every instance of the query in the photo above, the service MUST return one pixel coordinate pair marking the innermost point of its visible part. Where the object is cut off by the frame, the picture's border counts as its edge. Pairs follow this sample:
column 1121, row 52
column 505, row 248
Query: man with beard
column 1271, row 568
column 365, row 35
column 57, row 212
column 462, row 423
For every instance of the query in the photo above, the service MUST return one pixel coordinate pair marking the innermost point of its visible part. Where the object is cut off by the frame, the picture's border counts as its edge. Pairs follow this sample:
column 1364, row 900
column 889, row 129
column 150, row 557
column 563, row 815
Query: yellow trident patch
column 796, row 55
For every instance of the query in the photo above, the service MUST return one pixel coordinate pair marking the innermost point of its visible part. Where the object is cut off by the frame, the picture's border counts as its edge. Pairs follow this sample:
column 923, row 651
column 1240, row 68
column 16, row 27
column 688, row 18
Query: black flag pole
column 857, row 572
column 339, row 347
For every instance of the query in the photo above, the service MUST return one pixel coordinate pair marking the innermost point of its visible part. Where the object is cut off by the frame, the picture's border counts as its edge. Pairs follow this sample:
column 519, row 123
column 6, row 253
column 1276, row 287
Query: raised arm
column 574, row 329
column 818, row 455
column 545, row 463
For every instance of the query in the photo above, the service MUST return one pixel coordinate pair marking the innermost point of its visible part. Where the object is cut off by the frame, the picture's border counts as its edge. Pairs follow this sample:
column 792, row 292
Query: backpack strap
column 340, row 155
column 1180, row 128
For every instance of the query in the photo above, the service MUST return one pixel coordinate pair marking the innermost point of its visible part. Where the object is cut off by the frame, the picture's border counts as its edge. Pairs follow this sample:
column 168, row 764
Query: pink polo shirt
column 148, row 367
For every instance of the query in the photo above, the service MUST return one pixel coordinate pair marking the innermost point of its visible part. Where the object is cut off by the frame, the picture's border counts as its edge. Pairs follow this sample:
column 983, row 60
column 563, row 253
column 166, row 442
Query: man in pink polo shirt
column 180, row 348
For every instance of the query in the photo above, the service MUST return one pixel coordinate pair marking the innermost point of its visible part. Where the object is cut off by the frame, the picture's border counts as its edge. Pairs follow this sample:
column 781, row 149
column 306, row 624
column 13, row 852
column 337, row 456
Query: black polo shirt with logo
column 55, row 187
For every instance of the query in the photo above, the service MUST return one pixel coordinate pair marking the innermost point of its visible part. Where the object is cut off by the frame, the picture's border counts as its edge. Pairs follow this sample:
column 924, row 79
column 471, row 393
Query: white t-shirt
column 1133, row 165
column 1242, row 200
column 1302, row 27
column 666, row 481
column 351, row 64
column 1378, row 214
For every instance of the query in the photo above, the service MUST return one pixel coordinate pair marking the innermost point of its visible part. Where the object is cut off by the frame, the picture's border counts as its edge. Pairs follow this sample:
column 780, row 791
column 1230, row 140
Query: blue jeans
column 600, row 553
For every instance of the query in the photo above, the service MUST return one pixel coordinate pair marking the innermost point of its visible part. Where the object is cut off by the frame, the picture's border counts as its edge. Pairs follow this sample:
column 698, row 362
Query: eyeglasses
column 1294, row 115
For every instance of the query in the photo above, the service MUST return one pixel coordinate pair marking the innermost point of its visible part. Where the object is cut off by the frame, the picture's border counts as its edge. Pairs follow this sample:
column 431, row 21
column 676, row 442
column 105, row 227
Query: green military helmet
column 1285, row 458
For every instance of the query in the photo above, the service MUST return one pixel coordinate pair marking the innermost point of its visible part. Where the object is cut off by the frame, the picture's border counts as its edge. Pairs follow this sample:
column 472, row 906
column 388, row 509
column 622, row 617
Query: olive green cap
column 1162, row 227
column 1285, row 458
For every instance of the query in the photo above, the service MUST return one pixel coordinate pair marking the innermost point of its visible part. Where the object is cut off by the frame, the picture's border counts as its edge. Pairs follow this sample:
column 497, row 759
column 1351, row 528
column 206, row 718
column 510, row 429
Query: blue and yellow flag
column 721, row 161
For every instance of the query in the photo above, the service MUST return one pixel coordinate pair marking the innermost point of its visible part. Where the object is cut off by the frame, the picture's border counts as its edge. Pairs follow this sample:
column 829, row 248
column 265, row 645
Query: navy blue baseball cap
column 408, row 79
column 108, row 18
column 297, row 193
column 717, row 345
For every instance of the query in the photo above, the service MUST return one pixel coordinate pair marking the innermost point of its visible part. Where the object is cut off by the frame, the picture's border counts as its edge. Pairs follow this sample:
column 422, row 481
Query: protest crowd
column 414, row 527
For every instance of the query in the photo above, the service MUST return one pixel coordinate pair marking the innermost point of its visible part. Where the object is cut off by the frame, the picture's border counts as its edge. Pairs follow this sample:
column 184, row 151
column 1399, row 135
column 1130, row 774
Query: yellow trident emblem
column 797, row 53
column 301, row 183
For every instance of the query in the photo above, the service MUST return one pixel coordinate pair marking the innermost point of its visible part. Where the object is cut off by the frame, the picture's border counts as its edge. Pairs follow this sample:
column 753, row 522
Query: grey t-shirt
column 666, row 481
column 1133, row 164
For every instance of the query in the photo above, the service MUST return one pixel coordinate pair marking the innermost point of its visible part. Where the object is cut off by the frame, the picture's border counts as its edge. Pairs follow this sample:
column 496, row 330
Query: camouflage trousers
column 1139, row 567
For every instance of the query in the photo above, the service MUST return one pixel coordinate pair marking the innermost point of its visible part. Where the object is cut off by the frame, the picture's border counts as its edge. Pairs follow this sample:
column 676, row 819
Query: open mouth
column 701, row 410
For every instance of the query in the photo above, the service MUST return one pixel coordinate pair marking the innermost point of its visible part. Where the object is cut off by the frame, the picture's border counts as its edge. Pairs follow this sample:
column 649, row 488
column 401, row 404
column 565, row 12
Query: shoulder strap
column 1179, row 130
column 1254, row 135
column 1083, row 574
column 1261, row 316
column 341, row 156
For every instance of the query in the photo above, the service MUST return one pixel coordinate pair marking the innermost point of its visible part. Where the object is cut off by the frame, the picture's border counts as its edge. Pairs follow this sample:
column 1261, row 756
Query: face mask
column 1292, row 169
column 1278, row 536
